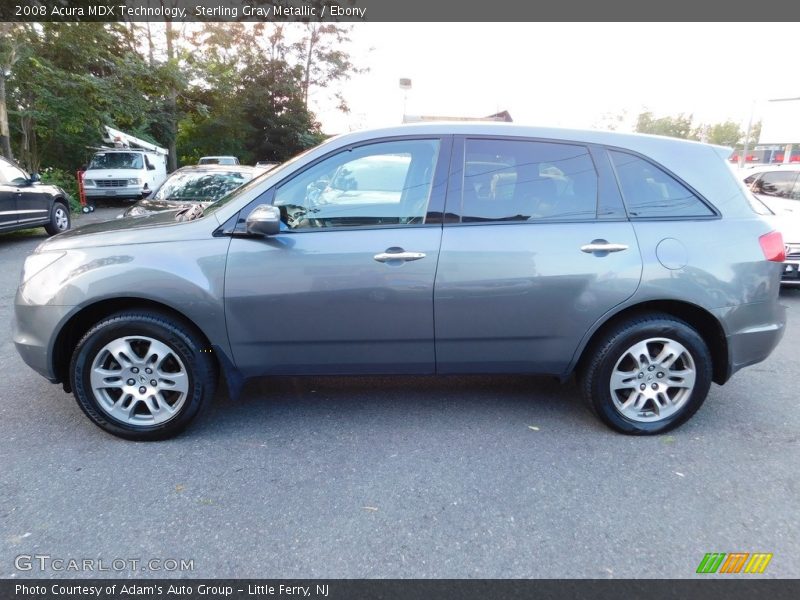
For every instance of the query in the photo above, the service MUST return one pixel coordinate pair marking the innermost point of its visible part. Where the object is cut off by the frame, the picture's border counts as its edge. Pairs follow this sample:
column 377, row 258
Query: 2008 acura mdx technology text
column 635, row 262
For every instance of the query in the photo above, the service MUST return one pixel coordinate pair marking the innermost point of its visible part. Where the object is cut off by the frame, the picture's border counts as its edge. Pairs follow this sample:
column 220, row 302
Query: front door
column 347, row 285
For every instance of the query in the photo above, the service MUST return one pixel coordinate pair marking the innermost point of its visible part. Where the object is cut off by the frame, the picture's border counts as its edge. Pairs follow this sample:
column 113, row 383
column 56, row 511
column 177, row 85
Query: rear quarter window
column 650, row 192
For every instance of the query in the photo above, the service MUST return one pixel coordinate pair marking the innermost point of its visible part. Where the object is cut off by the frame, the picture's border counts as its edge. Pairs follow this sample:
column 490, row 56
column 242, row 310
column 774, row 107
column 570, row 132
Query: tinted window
column 779, row 184
column 511, row 180
column 650, row 192
column 388, row 183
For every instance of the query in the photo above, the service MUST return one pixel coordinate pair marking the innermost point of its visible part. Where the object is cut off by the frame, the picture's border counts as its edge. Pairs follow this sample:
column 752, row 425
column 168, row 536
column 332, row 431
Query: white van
column 131, row 170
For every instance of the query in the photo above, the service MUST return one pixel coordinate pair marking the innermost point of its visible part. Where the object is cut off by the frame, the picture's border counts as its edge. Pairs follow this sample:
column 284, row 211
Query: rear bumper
column 752, row 331
column 791, row 271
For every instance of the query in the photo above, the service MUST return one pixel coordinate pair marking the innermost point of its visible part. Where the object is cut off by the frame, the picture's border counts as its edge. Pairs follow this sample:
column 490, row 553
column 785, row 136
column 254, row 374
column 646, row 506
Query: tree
column 71, row 80
column 10, row 42
column 724, row 134
column 250, row 102
column 679, row 126
column 755, row 134
column 324, row 60
column 232, row 88
column 611, row 121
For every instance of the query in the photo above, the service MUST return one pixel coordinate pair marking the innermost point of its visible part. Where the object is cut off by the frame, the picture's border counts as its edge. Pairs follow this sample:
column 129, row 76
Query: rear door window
column 650, row 192
column 520, row 180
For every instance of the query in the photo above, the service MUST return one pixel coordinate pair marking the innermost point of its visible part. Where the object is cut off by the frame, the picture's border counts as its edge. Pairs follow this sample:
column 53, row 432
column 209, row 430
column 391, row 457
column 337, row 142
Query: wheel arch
column 79, row 323
column 706, row 324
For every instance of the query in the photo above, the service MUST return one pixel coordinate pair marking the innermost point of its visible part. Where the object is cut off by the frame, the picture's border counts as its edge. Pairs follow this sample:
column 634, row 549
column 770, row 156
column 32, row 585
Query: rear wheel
column 647, row 375
column 59, row 219
column 141, row 375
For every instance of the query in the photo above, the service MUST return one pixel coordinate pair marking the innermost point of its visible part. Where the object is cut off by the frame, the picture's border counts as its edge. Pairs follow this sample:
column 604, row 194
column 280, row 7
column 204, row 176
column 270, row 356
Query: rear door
column 536, row 248
column 33, row 204
column 8, row 197
column 20, row 202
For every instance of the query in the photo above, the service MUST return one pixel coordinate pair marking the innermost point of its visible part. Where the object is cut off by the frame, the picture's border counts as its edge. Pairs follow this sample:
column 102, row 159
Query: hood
column 158, row 227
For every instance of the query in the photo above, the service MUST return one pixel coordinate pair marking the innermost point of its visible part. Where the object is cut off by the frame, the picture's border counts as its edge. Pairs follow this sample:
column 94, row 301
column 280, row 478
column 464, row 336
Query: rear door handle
column 602, row 246
column 398, row 254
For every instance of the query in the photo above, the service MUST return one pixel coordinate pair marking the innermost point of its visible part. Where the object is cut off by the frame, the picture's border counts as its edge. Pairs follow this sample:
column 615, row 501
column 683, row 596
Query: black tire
column 59, row 219
column 614, row 346
column 188, row 352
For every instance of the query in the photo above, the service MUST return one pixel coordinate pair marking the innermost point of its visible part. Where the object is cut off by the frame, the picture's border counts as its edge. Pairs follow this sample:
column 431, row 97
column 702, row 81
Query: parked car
column 788, row 223
column 197, row 184
column 776, row 185
column 634, row 262
column 25, row 202
column 218, row 160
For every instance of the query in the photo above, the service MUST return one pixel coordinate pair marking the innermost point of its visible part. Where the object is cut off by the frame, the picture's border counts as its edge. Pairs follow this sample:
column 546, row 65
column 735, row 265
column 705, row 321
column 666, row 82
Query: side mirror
column 35, row 178
column 264, row 220
column 151, row 167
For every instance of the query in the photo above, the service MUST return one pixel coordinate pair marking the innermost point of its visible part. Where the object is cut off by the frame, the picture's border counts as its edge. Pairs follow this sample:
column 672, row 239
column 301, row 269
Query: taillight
column 772, row 246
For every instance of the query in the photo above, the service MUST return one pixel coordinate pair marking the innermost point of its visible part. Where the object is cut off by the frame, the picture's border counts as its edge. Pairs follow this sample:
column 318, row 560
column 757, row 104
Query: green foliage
column 229, row 88
column 724, row 134
column 67, row 181
column 679, row 126
column 253, row 102
column 755, row 133
column 72, row 79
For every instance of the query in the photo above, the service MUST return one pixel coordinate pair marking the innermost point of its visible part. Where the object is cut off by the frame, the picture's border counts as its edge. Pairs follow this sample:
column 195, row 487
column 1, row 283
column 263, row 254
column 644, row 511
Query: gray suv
column 634, row 262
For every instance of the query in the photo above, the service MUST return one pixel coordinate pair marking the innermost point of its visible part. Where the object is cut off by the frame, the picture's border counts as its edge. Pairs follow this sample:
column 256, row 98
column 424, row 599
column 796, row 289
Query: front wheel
column 141, row 375
column 59, row 219
column 647, row 375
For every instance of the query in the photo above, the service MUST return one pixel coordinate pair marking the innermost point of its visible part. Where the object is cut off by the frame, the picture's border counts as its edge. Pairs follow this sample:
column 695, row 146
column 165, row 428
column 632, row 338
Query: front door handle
column 398, row 254
column 602, row 246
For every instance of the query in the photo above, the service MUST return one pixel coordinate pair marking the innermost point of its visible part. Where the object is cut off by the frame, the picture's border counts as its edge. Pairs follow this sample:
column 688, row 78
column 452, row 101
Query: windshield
column 116, row 160
column 201, row 186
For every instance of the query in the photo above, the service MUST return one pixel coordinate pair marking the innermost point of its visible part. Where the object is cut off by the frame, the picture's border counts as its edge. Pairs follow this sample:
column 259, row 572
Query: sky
column 565, row 74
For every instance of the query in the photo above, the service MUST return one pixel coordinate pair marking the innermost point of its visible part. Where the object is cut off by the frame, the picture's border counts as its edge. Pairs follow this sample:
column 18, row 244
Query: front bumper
column 131, row 191
column 33, row 330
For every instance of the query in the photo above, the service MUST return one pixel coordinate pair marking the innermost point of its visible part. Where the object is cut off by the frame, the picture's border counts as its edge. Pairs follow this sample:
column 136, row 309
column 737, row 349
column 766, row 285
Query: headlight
column 134, row 181
column 36, row 263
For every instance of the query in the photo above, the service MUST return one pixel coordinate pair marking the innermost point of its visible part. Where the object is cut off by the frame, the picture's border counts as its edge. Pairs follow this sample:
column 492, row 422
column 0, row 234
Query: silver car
column 634, row 262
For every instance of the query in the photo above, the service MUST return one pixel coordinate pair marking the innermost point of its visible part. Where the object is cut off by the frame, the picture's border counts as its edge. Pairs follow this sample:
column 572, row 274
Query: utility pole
column 743, row 157
column 405, row 85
